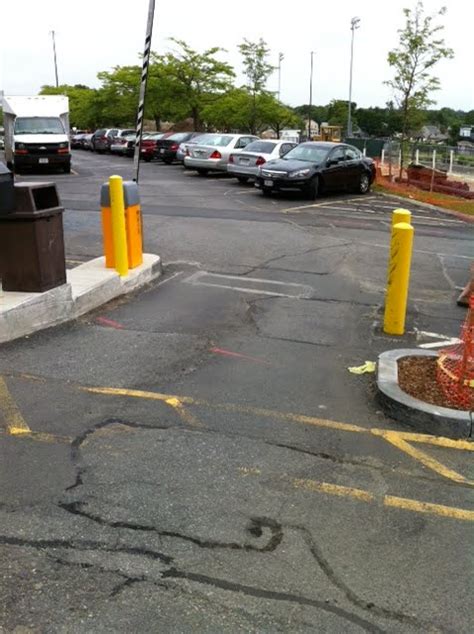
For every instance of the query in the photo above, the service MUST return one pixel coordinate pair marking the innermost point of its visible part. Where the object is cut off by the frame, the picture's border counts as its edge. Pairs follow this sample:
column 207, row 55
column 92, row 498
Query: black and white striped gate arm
column 142, row 95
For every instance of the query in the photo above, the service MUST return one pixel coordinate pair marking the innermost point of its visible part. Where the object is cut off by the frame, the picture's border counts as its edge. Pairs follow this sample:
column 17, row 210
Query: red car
column 148, row 145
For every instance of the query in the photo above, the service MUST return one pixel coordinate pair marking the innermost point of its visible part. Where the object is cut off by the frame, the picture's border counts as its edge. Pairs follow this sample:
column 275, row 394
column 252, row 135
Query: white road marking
column 440, row 344
column 198, row 279
column 444, row 340
column 444, row 255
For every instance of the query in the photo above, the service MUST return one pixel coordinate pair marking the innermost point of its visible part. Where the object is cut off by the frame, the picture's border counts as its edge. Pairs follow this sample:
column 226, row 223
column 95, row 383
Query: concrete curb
column 420, row 203
column 88, row 286
column 424, row 417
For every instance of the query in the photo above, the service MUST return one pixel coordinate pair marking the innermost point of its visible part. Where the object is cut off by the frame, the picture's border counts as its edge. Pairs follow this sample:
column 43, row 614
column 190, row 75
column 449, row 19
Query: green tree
column 337, row 113
column 230, row 112
column 198, row 78
column 272, row 114
column 318, row 113
column 257, row 70
column 83, row 110
column 421, row 48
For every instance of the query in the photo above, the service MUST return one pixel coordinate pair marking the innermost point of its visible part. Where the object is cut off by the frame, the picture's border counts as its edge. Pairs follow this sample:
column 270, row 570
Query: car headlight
column 299, row 173
column 63, row 145
column 19, row 146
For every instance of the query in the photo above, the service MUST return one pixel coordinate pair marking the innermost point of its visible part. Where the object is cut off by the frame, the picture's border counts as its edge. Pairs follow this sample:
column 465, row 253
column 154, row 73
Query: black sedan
column 316, row 167
column 166, row 148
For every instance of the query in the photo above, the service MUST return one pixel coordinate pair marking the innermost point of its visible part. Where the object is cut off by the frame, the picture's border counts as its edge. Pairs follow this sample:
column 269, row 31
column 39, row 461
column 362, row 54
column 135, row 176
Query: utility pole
column 310, row 97
column 354, row 26
column 281, row 57
column 55, row 59
column 141, row 98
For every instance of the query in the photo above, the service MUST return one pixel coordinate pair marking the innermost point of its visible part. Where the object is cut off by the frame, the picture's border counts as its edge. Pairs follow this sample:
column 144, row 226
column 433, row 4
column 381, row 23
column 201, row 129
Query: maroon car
column 148, row 145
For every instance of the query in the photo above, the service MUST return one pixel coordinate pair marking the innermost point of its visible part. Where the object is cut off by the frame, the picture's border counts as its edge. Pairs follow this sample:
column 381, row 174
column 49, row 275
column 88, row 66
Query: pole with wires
column 142, row 95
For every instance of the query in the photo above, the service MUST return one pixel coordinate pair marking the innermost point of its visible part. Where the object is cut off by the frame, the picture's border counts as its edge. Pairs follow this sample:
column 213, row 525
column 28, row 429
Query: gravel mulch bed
column 417, row 377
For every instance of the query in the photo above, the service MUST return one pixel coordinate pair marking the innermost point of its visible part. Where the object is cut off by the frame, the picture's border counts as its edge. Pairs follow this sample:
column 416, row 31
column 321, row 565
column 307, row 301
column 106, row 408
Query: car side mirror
column 331, row 162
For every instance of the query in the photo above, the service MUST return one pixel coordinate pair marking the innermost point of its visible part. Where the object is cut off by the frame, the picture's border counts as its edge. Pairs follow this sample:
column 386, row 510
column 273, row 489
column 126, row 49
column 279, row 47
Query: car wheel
column 10, row 166
column 266, row 191
column 67, row 169
column 202, row 172
column 147, row 159
column 243, row 179
column 168, row 161
column 364, row 183
column 312, row 189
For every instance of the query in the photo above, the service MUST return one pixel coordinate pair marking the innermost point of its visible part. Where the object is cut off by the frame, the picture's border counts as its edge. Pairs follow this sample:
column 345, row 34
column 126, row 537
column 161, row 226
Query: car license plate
column 43, row 160
column 244, row 161
column 268, row 183
column 162, row 151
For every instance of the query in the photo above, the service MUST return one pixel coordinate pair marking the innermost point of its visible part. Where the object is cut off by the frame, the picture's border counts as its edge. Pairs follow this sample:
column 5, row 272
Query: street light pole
column 310, row 97
column 280, row 59
column 354, row 26
column 55, row 59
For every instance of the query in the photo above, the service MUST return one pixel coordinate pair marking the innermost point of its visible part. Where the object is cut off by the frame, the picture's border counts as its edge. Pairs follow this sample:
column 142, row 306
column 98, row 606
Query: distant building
column 431, row 133
column 467, row 132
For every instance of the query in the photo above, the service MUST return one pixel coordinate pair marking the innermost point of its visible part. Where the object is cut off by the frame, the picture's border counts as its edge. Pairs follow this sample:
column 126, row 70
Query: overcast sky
column 95, row 35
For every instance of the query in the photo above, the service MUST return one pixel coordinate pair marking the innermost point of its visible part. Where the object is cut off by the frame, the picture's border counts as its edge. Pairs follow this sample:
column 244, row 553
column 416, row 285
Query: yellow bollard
column 118, row 225
column 398, row 279
column 401, row 215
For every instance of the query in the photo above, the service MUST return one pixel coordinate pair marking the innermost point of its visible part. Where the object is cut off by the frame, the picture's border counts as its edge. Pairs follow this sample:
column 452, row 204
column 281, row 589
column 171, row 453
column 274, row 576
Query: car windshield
column 38, row 125
column 127, row 132
column 215, row 139
column 180, row 136
column 265, row 147
column 306, row 152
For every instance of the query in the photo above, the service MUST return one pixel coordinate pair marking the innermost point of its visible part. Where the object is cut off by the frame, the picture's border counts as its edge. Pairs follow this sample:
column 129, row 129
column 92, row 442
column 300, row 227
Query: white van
column 37, row 132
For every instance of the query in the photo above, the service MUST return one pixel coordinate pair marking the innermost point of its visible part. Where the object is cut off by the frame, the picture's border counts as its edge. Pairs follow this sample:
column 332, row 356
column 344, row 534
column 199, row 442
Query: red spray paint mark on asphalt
column 229, row 353
column 103, row 321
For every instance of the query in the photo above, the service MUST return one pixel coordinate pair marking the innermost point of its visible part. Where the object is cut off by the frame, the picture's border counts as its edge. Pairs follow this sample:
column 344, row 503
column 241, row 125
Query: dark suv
column 101, row 139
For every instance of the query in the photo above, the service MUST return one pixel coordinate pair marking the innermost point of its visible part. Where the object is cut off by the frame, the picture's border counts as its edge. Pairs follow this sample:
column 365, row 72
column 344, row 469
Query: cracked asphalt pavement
column 197, row 457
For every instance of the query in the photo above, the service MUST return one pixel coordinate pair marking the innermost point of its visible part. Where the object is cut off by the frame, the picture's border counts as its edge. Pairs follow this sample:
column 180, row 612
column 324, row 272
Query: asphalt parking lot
column 197, row 456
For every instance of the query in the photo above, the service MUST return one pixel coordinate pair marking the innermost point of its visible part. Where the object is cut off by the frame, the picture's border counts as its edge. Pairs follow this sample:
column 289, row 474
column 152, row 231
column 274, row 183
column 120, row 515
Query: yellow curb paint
column 334, row 489
column 425, row 459
column 14, row 421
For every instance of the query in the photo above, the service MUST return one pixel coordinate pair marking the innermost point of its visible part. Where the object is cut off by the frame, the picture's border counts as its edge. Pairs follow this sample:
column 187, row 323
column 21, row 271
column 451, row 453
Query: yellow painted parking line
column 406, row 504
column 399, row 439
column 185, row 414
column 14, row 422
column 41, row 436
column 155, row 396
column 333, row 489
column 427, row 507
column 424, row 458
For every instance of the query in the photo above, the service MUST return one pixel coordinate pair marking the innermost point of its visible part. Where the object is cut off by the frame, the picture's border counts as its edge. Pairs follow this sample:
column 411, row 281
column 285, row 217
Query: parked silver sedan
column 244, row 164
column 213, row 151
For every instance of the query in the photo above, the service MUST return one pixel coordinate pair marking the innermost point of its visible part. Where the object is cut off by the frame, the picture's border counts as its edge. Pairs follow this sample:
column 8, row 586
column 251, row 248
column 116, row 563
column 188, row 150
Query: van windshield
column 38, row 125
